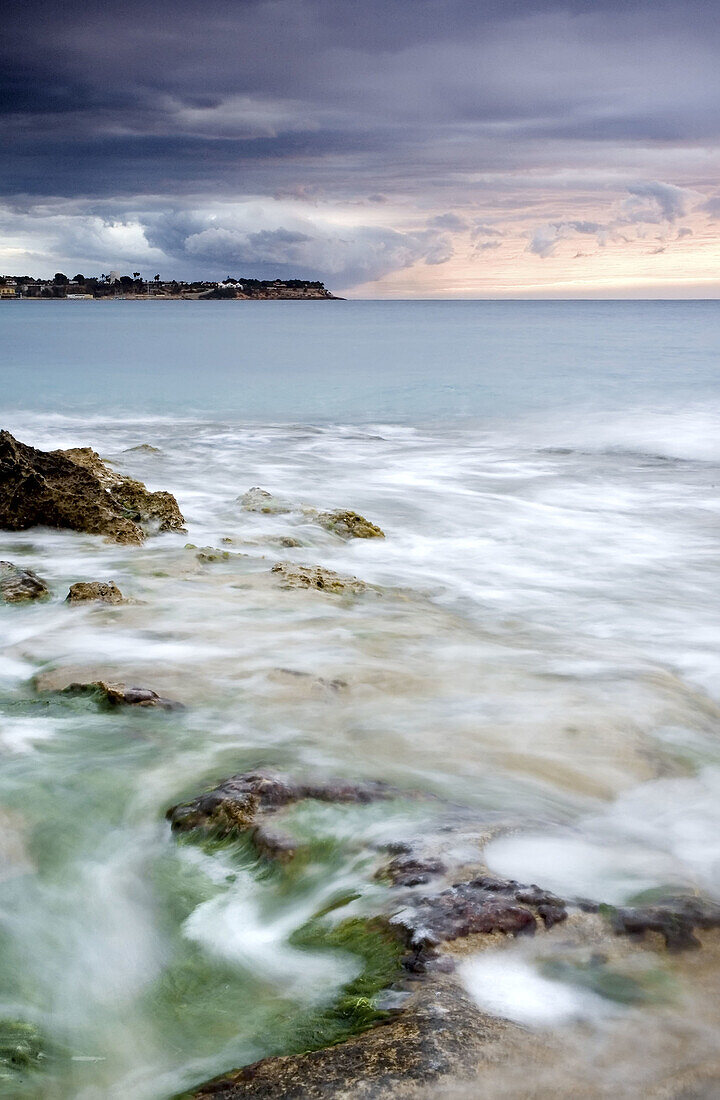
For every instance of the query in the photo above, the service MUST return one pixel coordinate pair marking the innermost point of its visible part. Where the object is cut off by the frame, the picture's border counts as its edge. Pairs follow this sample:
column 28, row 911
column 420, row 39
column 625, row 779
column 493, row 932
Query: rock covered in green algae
column 439, row 1033
column 316, row 576
column 22, row 1048
column 349, row 525
column 19, row 585
column 101, row 591
column 74, row 489
column 122, row 695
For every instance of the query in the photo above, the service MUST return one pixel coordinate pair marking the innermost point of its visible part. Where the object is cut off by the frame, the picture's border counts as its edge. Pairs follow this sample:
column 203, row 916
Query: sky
column 391, row 148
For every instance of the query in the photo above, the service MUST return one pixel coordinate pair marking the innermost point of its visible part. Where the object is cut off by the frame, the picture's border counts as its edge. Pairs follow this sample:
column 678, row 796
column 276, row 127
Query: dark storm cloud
column 142, row 105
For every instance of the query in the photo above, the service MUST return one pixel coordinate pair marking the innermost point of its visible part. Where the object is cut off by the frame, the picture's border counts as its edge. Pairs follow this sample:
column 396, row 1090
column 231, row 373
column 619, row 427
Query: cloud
column 448, row 221
column 648, row 203
column 655, row 202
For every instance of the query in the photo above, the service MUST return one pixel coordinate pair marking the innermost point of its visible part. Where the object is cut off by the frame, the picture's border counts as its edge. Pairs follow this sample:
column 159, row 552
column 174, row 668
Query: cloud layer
column 351, row 142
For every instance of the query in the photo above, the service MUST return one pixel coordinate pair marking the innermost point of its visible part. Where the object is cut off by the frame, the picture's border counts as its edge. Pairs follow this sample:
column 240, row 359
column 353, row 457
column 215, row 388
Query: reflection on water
column 545, row 644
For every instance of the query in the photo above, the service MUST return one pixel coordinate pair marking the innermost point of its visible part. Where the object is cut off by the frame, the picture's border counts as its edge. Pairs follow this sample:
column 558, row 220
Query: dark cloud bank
column 344, row 141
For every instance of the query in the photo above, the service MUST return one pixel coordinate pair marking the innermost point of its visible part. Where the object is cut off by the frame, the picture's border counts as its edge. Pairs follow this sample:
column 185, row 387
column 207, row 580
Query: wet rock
column 101, row 591
column 239, row 803
column 22, row 1048
column 74, row 489
column 122, row 695
column 259, row 500
column 438, row 1033
column 316, row 684
column 482, row 905
column 349, row 525
column 143, row 449
column 315, row 576
column 411, row 870
column 20, row 585
column 675, row 919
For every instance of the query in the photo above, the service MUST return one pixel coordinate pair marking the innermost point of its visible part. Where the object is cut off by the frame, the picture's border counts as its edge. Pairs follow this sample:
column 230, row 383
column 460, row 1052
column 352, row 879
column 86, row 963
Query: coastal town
column 136, row 288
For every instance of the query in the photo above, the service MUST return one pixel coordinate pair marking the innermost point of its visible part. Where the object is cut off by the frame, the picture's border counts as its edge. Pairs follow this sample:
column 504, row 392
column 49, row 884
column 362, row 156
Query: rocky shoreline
column 406, row 1026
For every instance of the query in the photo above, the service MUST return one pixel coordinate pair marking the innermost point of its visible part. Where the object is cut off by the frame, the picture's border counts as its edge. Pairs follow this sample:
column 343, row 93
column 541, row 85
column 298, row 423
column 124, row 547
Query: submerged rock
column 142, row 448
column 675, row 919
column 259, row 500
column 349, row 525
column 440, row 1032
column 102, row 591
column 239, row 803
column 316, row 576
column 20, row 585
column 121, row 695
column 74, row 489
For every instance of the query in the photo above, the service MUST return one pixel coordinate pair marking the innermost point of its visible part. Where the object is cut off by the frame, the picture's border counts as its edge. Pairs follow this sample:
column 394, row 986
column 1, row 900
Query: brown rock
column 349, row 525
column 241, row 802
column 119, row 695
column 102, row 591
column 439, row 1034
column 315, row 576
column 74, row 489
column 20, row 585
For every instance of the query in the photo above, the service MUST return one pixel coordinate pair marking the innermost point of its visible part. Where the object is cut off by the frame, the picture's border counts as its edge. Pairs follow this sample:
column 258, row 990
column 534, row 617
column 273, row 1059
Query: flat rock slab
column 19, row 585
column 74, row 489
column 317, row 577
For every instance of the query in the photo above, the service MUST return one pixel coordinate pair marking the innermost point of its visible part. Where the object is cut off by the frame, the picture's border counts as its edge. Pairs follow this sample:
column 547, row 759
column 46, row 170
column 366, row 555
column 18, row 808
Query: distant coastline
column 135, row 288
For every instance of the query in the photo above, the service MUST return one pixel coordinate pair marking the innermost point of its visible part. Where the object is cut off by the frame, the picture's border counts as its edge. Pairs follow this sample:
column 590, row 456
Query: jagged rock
column 74, row 489
column 142, row 448
column 440, row 1032
column 102, row 591
column 240, row 802
column 482, row 905
column 675, row 919
column 122, row 695
column 259, row 500
column 349, row 525
column 315, row 576
column 20, row 585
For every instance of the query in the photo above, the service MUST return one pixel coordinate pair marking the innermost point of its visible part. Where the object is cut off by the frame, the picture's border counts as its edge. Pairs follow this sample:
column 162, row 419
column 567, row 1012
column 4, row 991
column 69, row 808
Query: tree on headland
column 136, row 274
column 78, row 278
column 157, row 278
column 59, row 279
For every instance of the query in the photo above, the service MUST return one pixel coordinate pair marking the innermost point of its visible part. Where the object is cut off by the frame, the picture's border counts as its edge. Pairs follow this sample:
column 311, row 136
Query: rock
column 142, row 448
column 259, row 500
column 315, row 576
column 241, row 802
column 675, row 919
column 481, row 905
column 20, row 585
column 439, row 1033
column 119, row 695
column 411, row 870
column 349, row 525
column 74, row 489
column 102, row 591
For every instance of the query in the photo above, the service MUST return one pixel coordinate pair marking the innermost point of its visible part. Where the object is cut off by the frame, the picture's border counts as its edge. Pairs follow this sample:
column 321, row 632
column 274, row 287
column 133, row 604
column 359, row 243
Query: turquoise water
column 356, row 362
column 547, row 645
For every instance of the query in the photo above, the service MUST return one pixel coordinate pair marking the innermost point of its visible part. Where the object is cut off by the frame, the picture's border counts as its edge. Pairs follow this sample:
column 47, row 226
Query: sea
column 543, row 643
